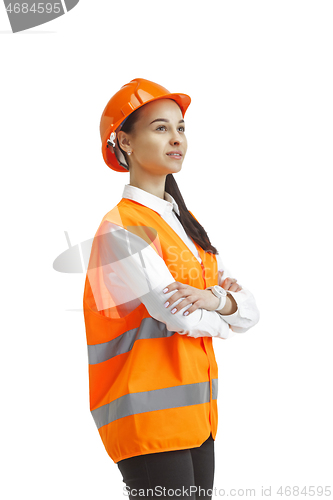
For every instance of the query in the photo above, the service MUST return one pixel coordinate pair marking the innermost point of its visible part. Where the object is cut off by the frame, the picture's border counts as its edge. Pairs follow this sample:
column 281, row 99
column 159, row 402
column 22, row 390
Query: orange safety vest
column 151, row 390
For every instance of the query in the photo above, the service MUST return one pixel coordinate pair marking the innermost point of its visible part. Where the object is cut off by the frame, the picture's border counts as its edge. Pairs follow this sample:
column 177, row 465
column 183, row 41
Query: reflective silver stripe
column 149, row 328
column 214, row 387
column 160, row 399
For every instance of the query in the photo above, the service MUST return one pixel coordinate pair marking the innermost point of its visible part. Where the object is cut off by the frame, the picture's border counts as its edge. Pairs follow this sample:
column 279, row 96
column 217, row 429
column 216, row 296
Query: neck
column 153, row 185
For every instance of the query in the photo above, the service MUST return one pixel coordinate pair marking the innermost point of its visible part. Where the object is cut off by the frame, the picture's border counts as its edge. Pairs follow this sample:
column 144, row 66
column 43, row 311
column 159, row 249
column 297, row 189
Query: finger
column 176, row 297
column 228, row 282
column 192, row 299
column 239, row 287
column 169, row 288
column 189, row 299
column 191, row 309
column 233, row 288
column 169, row 301
column 175, row 285
column 180, row 305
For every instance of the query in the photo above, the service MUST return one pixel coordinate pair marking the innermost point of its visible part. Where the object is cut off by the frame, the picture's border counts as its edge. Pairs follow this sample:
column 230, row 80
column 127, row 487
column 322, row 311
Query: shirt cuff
column 231, row 318
column 247, row 314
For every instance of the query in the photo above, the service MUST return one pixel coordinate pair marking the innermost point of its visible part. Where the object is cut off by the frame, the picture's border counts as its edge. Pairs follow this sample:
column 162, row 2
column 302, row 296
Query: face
column 158, row 141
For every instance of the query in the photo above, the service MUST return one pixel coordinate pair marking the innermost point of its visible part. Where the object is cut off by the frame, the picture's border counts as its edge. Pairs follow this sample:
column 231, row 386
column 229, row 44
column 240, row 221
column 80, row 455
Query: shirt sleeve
column 247, row 314
column 134, row 272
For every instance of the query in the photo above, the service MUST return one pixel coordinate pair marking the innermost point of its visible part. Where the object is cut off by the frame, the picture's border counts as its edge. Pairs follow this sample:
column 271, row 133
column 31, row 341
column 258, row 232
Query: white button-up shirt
column 200, row 323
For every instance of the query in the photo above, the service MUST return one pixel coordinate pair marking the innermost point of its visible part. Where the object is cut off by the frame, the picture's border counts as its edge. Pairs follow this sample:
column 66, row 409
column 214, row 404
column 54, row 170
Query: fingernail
column 185, row 313
column 173, row 310
column 165, row 290
column 166, row 304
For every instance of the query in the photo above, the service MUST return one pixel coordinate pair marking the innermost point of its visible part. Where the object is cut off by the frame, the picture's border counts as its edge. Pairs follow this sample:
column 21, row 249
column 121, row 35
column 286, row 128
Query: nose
column 176, row 138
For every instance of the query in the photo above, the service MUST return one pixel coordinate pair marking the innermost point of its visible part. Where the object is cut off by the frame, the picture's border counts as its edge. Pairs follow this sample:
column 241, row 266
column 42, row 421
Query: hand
column 229, row 283
column 203, row 299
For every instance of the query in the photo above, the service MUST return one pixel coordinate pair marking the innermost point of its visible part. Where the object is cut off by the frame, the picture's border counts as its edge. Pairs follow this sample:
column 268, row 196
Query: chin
column 173, row 169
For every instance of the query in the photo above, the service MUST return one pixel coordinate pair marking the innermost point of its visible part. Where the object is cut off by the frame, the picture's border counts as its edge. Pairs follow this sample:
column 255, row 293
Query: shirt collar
column 150, row 200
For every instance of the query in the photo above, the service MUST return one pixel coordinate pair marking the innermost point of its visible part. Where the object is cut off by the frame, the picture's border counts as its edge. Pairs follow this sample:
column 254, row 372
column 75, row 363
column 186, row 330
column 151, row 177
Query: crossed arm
column 142, row 277
column 203, row 299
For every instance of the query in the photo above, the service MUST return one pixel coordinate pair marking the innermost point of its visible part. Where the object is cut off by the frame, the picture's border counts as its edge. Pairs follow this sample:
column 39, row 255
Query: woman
column 156, row 294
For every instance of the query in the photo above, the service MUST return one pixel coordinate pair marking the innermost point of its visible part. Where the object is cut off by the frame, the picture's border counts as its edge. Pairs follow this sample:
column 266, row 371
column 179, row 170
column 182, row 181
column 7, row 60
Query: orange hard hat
column 130, row 97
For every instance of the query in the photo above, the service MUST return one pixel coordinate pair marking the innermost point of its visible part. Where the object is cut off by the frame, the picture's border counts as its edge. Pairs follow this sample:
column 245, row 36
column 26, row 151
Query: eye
column 161, row 127
column 182, row 129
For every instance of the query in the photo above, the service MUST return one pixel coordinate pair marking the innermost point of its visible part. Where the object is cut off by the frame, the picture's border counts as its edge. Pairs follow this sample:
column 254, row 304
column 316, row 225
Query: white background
column 258, row 177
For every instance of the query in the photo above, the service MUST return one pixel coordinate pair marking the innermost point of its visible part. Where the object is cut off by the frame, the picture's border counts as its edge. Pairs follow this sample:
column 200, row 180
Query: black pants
column 176, row 474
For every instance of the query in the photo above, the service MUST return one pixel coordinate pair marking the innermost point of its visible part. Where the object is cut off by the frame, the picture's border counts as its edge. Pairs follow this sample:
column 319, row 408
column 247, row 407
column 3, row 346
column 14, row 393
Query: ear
column 124, row 141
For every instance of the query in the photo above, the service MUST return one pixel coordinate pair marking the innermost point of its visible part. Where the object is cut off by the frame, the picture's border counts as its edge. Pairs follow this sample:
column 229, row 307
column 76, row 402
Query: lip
column 172, row 154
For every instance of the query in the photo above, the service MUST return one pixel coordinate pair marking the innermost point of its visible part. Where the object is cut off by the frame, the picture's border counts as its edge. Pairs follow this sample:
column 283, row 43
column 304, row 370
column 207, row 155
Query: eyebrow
column 164, row 120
